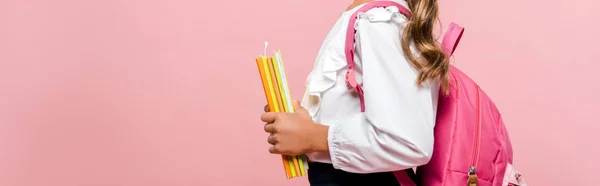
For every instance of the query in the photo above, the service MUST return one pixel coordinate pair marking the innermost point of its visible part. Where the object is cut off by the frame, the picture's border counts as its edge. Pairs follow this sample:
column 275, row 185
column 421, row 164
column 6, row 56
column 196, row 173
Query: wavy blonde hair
column 432, row 63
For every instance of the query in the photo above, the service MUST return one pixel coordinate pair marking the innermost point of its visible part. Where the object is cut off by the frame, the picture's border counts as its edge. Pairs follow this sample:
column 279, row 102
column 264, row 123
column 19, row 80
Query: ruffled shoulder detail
column 383, row 14
column 332, row 61
column 323, row 77
column 326, row 78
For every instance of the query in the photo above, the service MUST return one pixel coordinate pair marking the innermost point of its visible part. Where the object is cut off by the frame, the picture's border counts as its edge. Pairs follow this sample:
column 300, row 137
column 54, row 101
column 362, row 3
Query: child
column 400, row 69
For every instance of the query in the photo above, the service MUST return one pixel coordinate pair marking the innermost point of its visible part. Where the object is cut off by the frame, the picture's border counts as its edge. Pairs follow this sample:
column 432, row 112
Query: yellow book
column 263, row 69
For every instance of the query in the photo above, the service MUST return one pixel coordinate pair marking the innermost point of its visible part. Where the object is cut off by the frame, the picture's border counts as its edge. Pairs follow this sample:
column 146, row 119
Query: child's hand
column 294, row 133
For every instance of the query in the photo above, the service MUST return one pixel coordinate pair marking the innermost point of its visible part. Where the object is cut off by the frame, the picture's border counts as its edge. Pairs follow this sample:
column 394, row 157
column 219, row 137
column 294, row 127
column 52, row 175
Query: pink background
column 166, row 92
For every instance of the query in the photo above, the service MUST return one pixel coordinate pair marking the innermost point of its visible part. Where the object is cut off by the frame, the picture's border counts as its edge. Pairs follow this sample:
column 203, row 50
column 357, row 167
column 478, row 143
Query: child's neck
column 357, row 3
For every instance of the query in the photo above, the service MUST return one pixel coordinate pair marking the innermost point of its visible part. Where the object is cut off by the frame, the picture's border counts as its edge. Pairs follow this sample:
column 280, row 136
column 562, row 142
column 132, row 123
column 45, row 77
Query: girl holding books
column 400, row 69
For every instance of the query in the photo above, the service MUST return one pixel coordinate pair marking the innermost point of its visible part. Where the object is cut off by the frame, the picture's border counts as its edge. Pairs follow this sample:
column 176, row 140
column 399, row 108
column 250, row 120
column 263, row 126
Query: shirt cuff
column 332, row 142
column 336, row 141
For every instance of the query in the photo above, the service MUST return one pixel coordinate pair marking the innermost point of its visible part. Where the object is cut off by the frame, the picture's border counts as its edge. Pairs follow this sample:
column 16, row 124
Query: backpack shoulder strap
column 349, row 48
column 452, row 38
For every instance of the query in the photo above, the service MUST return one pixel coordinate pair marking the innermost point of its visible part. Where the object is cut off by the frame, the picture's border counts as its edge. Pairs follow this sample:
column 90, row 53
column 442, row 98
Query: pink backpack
column 472, row 146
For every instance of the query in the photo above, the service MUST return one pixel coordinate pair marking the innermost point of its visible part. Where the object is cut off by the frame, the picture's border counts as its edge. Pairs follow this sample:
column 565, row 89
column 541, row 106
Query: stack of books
column 276, row 89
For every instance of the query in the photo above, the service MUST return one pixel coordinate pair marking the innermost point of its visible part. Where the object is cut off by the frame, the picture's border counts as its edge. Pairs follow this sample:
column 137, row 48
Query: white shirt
column 396, row 130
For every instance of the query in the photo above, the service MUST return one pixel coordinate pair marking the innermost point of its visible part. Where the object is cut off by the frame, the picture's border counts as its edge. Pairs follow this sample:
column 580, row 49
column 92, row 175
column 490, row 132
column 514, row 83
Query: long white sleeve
column 396, row 130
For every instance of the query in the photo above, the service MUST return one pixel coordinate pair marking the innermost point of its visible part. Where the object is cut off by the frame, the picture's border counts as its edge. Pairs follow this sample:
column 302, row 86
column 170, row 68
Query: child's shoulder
column 379, row 14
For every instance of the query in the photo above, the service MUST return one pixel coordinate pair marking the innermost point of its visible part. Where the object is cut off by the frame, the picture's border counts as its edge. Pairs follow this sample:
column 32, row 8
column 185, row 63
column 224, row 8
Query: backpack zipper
column 473, row 179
